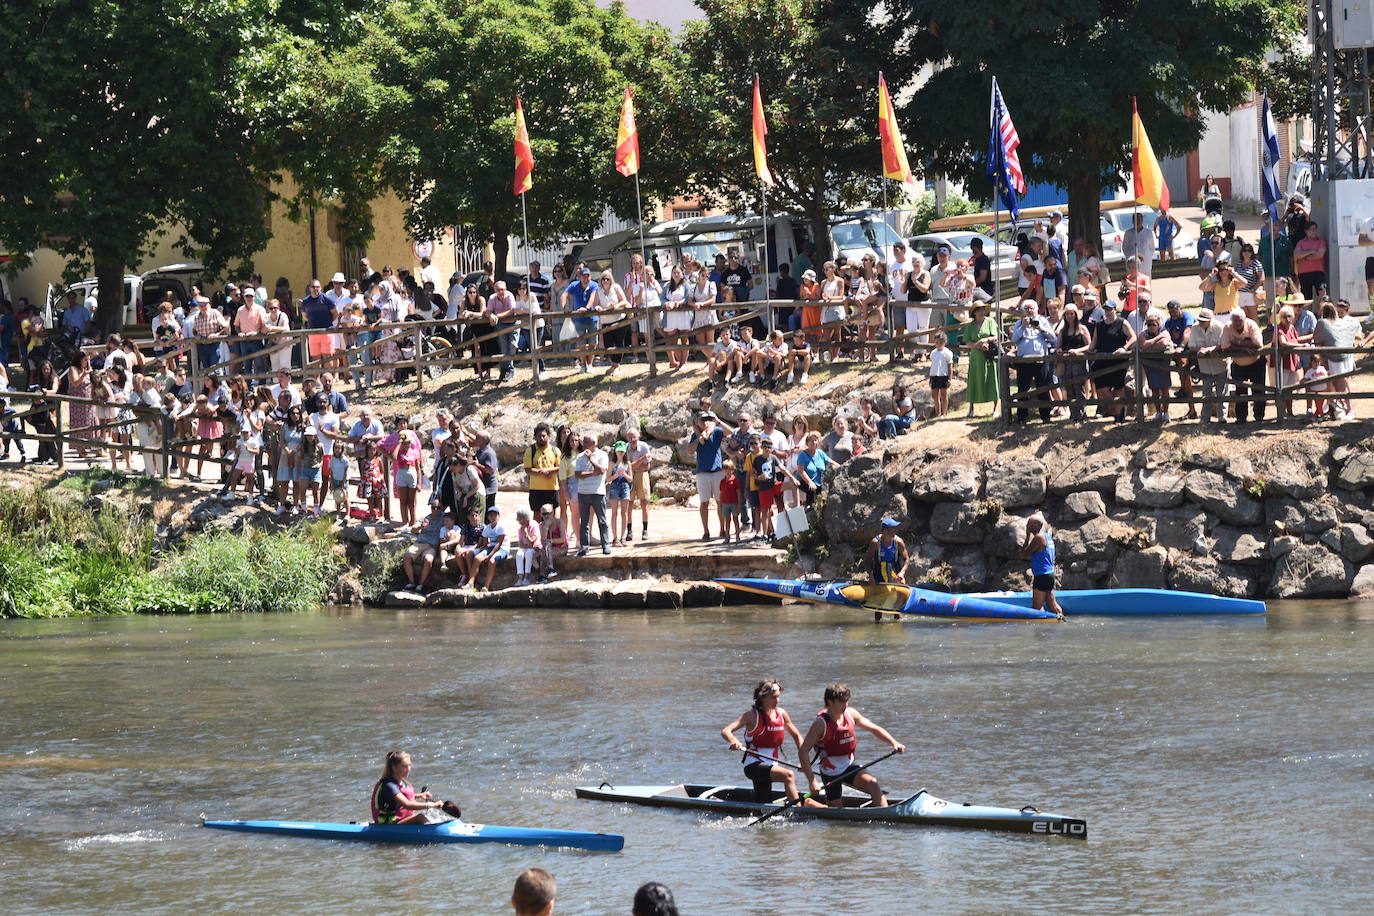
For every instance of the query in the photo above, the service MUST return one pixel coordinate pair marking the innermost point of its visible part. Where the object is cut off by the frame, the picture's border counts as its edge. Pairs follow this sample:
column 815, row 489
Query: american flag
column 1004, row 166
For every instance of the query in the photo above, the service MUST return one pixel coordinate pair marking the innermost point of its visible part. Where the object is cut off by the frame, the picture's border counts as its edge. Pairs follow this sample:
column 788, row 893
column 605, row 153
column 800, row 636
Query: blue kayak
column 912, row 599
column 451, row 832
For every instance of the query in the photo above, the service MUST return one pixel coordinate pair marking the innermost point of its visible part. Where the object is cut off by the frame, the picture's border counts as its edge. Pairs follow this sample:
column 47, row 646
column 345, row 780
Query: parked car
column 1185, row 245
column 960, row 244
column 1111, row 237
column 142, row 292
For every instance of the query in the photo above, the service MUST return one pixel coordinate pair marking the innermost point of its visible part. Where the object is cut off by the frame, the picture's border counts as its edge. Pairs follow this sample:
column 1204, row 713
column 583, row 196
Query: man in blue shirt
column 1179, row 324
column 706, row 442
column 75, row 318
column 579, row 299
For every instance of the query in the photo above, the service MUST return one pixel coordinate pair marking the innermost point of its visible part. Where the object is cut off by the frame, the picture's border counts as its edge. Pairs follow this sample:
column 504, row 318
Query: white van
column 853, row 235
column 142, row 292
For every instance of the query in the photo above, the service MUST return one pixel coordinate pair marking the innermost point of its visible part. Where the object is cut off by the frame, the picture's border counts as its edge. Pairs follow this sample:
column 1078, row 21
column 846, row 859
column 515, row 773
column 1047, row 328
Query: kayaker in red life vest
column 832, row 735
column 765, row 726
column 395, row 801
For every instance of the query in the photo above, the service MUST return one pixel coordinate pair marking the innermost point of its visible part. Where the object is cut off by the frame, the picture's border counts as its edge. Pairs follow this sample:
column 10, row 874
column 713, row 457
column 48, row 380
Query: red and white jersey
column 838, row 744
column 765, row 737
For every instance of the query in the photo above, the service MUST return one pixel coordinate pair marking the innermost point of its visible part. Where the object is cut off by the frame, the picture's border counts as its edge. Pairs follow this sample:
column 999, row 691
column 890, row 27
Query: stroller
column 1211, row 210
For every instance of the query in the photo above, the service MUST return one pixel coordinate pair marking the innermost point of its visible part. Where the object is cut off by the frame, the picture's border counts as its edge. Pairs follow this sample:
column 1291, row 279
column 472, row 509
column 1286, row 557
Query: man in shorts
column 425, row 550
column 1038, row 547
column 637, row 454
column 833, row 734
column 708, row 438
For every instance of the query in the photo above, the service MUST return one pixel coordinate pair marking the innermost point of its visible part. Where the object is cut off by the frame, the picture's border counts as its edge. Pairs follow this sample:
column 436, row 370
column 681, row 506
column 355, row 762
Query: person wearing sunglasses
column 766, row 726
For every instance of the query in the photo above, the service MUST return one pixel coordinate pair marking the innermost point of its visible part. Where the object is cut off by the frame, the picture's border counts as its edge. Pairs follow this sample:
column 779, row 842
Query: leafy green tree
column 1068, row 71
column 122, row 119
column 817, row 63
column 453, row 68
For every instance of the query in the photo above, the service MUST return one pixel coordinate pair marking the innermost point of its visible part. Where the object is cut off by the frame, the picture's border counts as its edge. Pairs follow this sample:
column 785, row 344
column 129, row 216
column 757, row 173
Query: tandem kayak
column 912, row 599
column 921, row 809
column 450, row 832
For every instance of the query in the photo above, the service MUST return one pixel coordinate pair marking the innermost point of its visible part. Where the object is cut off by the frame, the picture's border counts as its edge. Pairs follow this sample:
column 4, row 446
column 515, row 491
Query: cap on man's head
column 338, row 278
column 584, row 272
column 1204, row 315
column 1109, row 304
column 891, row 523
column 1173, row 304
column 249, row 293
column 1056, row 213
column 943, row 249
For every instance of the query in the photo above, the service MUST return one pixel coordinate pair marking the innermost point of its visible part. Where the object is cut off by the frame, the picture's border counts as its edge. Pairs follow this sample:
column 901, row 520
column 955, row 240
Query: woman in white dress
column 149, row 425
column 677, row 319
column 393, row 308
column 703, row 295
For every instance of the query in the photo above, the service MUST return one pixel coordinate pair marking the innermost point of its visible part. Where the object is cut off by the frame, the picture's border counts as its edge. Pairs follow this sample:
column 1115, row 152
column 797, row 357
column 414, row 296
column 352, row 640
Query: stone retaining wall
column 1293, row 520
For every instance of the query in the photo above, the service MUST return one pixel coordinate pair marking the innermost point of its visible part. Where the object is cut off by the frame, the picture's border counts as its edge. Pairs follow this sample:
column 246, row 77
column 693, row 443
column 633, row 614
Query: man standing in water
column 833, row 735
column 1039, row 548
column 887, row 556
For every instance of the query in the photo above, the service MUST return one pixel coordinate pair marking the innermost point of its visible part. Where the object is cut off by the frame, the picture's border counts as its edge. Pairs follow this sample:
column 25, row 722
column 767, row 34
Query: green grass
column 85, row 481
column 59, row 558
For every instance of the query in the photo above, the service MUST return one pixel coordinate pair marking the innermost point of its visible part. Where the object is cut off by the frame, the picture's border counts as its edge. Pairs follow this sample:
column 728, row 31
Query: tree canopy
column 817, row 63
column 1068, row 70
column 121, row 119
column 454, row 68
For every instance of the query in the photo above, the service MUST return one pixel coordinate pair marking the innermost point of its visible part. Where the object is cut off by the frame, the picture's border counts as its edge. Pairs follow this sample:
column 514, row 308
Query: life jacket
column 766, row 736
column 382, row 815
column 838, row 744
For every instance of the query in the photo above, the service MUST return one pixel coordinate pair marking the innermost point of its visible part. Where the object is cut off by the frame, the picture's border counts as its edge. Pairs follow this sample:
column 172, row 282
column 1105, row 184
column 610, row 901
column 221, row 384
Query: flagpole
column 643, row 284
column 767, row 293
column 891, row 312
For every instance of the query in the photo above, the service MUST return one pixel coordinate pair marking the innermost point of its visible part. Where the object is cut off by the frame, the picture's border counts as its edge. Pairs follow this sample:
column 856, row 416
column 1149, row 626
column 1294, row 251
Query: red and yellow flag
column 524, row 156
column 627, row 138
column 1150, row 188
column 894, row 151
column 760, row 132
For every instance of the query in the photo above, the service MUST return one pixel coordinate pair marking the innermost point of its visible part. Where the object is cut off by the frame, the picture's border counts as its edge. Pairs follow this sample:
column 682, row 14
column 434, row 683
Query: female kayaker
column 833, row 736
column 765, row 726
column 1039, row 548
column 887, row 556
column 395, row 801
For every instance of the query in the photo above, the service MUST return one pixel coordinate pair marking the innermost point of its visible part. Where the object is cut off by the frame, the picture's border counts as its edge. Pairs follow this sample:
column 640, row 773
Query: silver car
column 960, row 246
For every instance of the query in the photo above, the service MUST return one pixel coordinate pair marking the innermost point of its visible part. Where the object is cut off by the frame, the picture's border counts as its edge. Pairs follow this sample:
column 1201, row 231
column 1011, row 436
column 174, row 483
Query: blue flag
column 1269, row 146
column 1004, row 165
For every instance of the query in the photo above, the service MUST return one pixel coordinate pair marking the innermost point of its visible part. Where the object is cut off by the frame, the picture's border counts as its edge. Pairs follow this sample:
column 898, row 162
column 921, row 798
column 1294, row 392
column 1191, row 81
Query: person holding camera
column 1033, row 338
column 589, row 468
column 708, row 437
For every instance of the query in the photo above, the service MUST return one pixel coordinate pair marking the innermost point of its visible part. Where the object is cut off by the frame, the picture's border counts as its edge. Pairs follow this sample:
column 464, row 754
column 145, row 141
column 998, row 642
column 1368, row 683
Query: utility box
column 1352, row 23
column 1341, row 209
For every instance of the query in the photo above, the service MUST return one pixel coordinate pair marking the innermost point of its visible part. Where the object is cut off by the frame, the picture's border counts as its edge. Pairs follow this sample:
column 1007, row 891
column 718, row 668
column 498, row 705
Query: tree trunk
column 1085, row 211
column 109, row 274
column 500, row 248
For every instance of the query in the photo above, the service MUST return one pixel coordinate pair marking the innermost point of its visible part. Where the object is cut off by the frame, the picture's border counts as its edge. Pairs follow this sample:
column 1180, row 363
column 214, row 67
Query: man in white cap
column 1059, row 235
column 1205, row 339
column 250, row 320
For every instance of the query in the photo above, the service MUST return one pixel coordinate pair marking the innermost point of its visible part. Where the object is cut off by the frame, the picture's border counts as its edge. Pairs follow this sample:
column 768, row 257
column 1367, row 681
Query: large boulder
column 946, row 482
column 1161, row 489
column 1090, row 541
column 1296, row 469
column 738, row 401
column 969, row 571
column 1084, row 505
column 679, row 483
column 1310, row 516
column 1095, row 472
column 959, row 523
column 1310, row 571
column 1180, row 528
column 1016, row 483
column 817, row 412
column 1005, row 538
column 668, row 420
column 1203, row 574
column 1357, row 471
column 1352, row 542
column 1363, row 586
column 855, row 504
column 1146, row 568
column 1232, row 545
column 511, row 428
column 1223, row 497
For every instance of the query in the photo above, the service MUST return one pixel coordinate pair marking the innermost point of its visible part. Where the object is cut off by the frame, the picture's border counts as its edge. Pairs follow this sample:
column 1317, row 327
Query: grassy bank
column 63, row 556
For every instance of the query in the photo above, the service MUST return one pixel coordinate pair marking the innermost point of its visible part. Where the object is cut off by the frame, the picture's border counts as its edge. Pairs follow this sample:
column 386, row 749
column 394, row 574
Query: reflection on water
column 1223, row 765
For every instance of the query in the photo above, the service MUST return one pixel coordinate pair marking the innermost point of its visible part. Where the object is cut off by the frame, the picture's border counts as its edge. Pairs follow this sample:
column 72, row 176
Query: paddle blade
column 452, row 810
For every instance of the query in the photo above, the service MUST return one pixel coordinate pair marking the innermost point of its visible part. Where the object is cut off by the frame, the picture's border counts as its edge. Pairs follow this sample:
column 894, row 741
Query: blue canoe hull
column 904, row 599
column 451, row 832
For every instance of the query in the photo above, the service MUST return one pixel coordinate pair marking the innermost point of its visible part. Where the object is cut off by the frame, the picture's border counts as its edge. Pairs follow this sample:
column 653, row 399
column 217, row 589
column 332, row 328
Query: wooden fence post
column 533, row 332
column 1004, row 380
column 650, row 351
column 60, row 440
column 419, row 347
column 1139, row 384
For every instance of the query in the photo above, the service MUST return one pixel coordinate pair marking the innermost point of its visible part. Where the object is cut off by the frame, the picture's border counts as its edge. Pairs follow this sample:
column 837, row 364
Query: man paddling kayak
column 832, row 736
column 765, row 725
column 1039, row 548
column 395, row 801
column 887, row 556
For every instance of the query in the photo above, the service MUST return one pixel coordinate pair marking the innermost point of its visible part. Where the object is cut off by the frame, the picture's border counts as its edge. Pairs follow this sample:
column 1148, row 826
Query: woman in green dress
column 980, row 340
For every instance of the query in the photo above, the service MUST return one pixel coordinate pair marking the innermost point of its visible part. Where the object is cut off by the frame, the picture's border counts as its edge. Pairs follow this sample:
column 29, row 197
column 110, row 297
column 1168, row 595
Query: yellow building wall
column 288, row 253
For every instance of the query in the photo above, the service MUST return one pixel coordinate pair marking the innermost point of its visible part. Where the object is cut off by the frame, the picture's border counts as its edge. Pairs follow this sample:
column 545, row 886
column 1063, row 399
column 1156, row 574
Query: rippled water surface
column 1224, row 766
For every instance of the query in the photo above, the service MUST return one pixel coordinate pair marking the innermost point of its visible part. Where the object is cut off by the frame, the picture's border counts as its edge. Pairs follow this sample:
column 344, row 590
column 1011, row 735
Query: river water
column 1223, row 766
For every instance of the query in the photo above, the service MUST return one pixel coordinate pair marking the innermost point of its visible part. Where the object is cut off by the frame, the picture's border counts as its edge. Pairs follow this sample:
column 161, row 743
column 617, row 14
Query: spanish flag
column 524, row 156
column 894, row 152
column 627, row 138
column 760, row 131
column 1150, row 188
